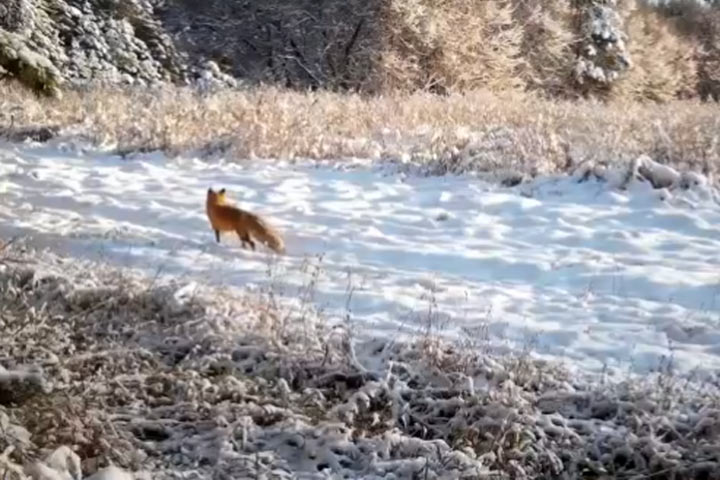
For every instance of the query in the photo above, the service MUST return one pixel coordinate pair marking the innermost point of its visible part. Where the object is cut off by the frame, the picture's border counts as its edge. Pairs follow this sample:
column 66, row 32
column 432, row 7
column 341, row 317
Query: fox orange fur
column 228, row 218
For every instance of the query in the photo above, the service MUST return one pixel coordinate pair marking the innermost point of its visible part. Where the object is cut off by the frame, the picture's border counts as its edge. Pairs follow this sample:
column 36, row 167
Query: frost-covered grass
column 475, row 130
column 176, row 380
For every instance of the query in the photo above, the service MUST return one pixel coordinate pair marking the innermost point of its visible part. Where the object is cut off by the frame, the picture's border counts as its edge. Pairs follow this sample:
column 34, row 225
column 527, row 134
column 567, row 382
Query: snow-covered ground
column 573, row 271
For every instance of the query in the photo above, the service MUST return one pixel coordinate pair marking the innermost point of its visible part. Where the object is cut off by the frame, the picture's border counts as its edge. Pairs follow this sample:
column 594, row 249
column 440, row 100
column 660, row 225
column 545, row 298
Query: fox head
column 218, row 197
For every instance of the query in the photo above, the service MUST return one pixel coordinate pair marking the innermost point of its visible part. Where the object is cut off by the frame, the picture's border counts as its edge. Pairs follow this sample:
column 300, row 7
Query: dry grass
column 502, row 130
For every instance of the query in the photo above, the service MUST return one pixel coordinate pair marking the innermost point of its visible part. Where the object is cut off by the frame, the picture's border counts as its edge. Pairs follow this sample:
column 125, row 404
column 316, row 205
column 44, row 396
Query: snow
column 111, row 473
column 63, row 459
column 598, row 278
column 64, row 464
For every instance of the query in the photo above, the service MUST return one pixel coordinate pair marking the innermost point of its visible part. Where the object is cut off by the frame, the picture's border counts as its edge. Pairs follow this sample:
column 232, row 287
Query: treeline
column 607, row 48
column 556, row 48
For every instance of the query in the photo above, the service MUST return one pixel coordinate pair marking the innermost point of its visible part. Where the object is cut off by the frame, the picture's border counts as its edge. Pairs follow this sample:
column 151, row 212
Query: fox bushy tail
column 270, row 237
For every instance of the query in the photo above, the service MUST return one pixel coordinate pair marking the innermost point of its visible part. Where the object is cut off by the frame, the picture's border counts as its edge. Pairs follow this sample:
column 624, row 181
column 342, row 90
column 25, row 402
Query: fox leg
column 245, row 238
column 217, row 236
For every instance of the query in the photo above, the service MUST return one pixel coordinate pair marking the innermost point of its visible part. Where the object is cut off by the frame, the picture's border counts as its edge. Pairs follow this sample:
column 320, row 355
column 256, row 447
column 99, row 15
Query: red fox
column 228, row 218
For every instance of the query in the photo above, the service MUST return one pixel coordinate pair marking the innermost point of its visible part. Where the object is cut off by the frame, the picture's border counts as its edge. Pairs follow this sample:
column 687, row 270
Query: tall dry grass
column 506, row 130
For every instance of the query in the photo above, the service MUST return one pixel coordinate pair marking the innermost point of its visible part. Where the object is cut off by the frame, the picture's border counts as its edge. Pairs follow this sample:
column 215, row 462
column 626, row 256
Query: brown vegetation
column 502, row 130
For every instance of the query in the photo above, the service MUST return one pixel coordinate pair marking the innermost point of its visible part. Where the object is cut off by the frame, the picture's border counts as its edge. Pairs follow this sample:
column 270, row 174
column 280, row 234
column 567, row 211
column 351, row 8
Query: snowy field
column 576, row 272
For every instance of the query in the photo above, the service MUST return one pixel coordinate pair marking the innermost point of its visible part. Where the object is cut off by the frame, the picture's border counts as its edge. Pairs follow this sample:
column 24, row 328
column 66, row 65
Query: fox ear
column 222, row 191
column 210, row 190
